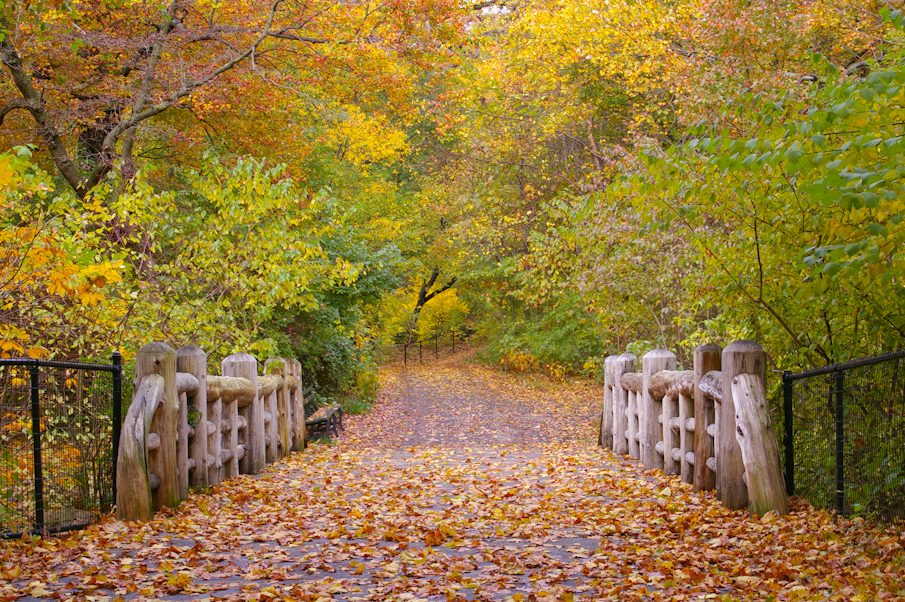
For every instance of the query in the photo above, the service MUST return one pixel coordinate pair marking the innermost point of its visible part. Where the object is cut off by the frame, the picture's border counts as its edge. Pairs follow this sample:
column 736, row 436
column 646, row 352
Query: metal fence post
column 117, row 410
column 436, row 346
column 420, row 358
column 36, row 439
column 454, row 341
column 839, row 380
column 405, row 354
column 789, row 441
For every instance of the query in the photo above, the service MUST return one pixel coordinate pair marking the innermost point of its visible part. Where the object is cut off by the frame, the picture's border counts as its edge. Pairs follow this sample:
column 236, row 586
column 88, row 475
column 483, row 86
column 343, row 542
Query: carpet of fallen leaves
column 462, row 484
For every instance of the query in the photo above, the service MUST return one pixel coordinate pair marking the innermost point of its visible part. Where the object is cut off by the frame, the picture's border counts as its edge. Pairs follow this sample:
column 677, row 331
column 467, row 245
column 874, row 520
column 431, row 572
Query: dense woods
column 677, row 199
column 314, row 179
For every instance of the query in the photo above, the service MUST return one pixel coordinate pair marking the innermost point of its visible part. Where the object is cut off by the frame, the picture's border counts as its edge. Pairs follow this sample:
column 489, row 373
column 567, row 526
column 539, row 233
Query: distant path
column 462, row 484
column 449, row 403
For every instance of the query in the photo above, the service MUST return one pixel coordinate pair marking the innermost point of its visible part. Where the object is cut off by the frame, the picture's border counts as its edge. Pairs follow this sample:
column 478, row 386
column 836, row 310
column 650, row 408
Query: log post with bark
column 740, row 357
column 278, row 367
column 146, row 467
column 760, row 450
column 606, row 416
column 193, row 361
column 631, row 383
column 706, row 358
column 652, row 407
column 251, row 413
column 297, row 402
column 623, row 364
column 268, row 393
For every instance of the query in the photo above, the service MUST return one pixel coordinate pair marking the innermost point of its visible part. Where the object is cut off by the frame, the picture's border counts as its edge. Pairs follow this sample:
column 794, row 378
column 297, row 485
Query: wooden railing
column 186, row 428
column 710, row 425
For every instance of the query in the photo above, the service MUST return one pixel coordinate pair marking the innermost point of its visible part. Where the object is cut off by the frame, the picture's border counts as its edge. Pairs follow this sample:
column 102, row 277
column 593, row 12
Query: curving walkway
column 462, row 484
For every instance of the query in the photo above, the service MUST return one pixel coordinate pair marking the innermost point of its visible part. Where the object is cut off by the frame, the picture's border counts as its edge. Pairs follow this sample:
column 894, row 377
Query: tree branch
column 32, row 101
column 144, row 93
column 426, row 285
column 12, row 105
column 488, row 4
column 187, row 88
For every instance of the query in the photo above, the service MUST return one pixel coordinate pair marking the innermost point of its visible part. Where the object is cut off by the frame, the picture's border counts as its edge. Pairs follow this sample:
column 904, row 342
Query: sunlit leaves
column 210, row 265
column 47, row 261
column 365, row 139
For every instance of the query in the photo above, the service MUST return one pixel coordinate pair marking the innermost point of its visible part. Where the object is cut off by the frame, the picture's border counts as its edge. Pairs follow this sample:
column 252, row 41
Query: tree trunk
column 425, row 294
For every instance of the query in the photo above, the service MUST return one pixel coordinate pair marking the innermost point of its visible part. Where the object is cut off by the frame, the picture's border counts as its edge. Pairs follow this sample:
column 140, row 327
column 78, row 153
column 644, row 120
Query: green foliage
column 355, row 405
column 551, row 338
column 731, row 200
column 240, row 259
column 799, row 224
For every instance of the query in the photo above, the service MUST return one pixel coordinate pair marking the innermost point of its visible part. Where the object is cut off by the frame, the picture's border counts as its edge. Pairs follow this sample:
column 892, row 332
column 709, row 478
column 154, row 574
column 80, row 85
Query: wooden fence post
column 606, row 416
column 298, row 406
column 135, row 489
column 214, row 460
column 634, row 387
column 686, row 436
column 282, row 430
column 670, row 411
column 624, row 363
column 253, row 460
column 158, row 358
column 231, row 424
column 268, row 392
column 652, row 410
column 707, row 357
column 760, row 450
column 740, row 357
column 285, row 410
column 192, row 360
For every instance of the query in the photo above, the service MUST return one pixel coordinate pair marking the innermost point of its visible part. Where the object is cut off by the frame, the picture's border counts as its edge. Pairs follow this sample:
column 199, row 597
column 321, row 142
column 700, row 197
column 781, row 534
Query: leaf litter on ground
column 463, row 483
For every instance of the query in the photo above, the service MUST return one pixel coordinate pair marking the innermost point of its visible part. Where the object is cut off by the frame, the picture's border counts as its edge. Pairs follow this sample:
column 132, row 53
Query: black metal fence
column 59, row 432
column 426, row 347
column 844, row 436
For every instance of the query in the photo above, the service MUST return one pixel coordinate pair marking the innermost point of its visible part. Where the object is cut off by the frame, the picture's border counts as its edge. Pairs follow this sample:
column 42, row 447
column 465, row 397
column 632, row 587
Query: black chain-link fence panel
column 855, row 465
column 73, row 454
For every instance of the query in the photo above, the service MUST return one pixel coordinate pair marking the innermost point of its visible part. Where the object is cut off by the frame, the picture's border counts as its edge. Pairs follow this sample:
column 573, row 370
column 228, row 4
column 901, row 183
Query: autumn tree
column 572, row 217
column 97, row 78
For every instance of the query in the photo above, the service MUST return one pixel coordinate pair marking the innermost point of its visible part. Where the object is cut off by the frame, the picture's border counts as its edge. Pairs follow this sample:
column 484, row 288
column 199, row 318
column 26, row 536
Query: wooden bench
column 321, row 418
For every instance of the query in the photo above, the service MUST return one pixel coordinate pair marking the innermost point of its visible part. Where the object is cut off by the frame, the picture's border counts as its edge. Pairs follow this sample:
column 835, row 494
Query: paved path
column 463, row 484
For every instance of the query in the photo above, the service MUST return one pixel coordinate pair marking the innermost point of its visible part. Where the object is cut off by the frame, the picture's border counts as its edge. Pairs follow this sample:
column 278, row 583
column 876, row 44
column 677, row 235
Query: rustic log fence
column 710, row 425
column 186, row 428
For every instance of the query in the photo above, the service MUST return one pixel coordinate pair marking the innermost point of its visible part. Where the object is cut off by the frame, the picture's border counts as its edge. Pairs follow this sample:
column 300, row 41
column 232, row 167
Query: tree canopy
column 569, row 178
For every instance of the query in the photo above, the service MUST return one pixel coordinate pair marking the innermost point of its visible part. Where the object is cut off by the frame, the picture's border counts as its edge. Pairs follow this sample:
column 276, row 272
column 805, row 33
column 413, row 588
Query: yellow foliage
column 7, row 173
column 365, row 138
column 442, row 313
column 520, row 361
column 395, row 313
